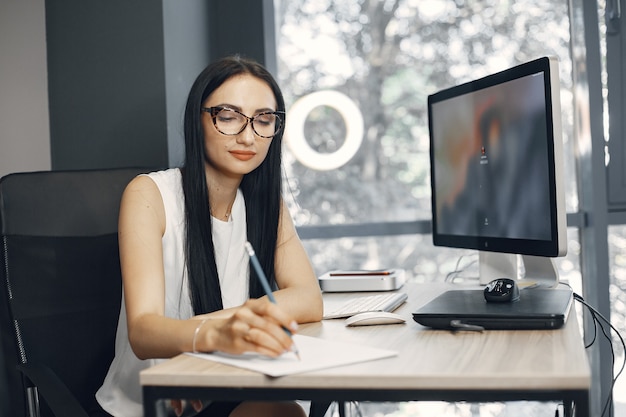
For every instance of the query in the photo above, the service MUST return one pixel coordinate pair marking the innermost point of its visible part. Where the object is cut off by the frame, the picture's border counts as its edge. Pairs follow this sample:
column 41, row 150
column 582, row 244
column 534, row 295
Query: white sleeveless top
column 120, row 394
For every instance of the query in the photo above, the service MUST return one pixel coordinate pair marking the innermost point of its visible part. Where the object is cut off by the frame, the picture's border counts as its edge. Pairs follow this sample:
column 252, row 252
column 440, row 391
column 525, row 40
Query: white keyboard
column 378, row 302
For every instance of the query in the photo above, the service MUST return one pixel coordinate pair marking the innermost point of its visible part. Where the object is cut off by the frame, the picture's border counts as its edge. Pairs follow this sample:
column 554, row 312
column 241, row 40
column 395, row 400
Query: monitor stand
column 533, row 270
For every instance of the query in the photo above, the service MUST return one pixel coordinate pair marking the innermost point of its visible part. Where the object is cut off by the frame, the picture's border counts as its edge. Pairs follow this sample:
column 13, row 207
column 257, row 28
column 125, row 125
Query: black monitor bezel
column 546, row 248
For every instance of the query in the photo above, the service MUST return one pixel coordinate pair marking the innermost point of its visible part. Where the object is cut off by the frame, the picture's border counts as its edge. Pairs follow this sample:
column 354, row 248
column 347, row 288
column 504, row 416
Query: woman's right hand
column 257, row 326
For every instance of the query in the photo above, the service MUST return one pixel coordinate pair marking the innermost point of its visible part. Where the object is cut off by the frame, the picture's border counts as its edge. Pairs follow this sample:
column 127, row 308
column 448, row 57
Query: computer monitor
column 496, row 171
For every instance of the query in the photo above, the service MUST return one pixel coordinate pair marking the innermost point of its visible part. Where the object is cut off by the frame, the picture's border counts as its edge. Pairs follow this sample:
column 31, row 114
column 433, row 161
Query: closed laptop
column 537, row 308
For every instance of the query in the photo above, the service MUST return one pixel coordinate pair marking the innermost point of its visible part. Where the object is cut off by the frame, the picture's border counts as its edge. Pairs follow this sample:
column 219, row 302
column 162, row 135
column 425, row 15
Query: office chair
column 60, row 287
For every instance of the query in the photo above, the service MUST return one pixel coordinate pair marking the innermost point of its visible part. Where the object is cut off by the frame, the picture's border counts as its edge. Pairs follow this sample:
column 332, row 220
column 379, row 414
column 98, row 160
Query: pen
column 266, row 286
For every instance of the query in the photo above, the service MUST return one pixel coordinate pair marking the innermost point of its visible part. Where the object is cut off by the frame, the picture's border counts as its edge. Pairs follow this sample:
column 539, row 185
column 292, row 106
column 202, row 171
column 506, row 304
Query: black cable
column 595, row 329
column 621, row 339
column 596, row 315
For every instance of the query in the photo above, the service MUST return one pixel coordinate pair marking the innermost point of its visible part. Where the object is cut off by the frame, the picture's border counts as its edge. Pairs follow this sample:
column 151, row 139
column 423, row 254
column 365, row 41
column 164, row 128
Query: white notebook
column 315, row 354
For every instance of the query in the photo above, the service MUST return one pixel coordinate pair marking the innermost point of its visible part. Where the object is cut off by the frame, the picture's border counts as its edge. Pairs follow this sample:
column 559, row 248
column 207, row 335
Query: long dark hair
column 261, row 189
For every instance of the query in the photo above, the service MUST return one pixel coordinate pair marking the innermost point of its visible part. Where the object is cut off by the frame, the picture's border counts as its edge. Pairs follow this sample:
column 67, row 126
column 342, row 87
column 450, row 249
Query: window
column 356, row 76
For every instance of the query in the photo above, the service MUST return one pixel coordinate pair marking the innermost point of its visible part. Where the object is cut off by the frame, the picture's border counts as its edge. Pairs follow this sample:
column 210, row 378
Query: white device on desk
column 372, row 318
column 370, row 303
column 362, row 280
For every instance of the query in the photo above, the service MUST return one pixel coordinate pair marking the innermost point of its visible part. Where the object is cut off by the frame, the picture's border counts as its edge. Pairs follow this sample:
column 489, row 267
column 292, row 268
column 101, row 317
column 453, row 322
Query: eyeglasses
column 232, row 122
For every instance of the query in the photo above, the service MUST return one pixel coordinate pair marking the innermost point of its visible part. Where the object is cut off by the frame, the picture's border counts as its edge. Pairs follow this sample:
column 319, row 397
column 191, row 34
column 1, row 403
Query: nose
column 246, row 137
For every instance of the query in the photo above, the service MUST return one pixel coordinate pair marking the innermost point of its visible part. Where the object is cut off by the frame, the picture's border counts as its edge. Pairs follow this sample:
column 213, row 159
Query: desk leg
column 319, row 408
column 150, row 404
column 568, row 408
column 576, row 407
column 150, row 411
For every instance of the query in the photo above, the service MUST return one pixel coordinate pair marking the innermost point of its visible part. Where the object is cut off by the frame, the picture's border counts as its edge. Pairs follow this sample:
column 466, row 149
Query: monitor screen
column 496, row 162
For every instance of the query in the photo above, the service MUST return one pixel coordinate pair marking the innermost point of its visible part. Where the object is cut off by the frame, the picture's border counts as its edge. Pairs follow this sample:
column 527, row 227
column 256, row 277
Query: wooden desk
column 432, row 365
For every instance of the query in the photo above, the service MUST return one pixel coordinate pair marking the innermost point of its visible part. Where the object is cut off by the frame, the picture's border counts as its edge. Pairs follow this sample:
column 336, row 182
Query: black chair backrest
column 61, row 281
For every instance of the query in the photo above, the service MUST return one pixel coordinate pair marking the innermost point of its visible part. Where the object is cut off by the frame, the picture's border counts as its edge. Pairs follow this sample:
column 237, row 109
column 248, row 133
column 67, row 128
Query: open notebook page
column 315, row 354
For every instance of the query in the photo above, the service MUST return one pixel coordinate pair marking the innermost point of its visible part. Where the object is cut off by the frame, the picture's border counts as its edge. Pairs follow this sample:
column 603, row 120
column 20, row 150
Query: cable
column 452, row 275
column 595, row 330
column 598, row 318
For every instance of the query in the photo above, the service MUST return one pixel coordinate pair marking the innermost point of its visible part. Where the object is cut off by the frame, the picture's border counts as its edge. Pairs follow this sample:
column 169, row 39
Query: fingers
column 262, row 342
column 272, row 312
column 259, row 326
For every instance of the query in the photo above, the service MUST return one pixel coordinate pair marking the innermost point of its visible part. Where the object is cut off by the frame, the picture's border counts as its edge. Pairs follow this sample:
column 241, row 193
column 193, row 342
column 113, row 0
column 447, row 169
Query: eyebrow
column 233, row 107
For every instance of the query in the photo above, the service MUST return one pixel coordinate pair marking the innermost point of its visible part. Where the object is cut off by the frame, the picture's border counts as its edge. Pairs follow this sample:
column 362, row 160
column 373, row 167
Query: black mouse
column 501, row 290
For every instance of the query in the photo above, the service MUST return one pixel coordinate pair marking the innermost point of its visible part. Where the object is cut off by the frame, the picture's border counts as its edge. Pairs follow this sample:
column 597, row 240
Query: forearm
column 155, row 336
column 304, row 303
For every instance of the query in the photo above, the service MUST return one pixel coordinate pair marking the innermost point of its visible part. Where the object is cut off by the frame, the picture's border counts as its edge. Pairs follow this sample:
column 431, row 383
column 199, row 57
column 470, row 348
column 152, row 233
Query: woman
column 182, row 232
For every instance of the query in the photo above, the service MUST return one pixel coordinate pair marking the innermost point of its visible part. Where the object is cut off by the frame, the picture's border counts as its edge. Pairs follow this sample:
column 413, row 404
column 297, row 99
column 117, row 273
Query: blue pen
column 266, row 286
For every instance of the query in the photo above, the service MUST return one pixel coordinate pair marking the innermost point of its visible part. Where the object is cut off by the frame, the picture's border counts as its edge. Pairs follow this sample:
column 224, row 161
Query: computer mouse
column 501, row 290
column 372, row 318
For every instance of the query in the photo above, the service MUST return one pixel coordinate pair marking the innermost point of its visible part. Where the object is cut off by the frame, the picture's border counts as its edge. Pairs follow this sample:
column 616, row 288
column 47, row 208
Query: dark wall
column 245, row 27
column 106, row 83
column 119, row 73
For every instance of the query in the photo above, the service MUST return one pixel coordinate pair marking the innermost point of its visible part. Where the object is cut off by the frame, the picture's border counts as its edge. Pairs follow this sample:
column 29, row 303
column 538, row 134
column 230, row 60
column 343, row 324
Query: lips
column 243, row 155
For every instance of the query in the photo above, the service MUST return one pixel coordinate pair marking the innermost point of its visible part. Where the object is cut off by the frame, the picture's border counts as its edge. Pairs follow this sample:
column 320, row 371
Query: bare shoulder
column 141, row 197
column 141, row 183
column 142, row 187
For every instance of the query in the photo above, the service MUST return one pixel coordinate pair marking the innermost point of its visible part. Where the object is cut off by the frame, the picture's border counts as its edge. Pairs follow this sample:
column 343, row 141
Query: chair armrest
column 53, row 391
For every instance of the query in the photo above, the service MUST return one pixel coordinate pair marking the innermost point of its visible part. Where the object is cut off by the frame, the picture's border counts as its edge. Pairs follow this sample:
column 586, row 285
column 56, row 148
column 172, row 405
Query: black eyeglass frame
column 280, row 115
